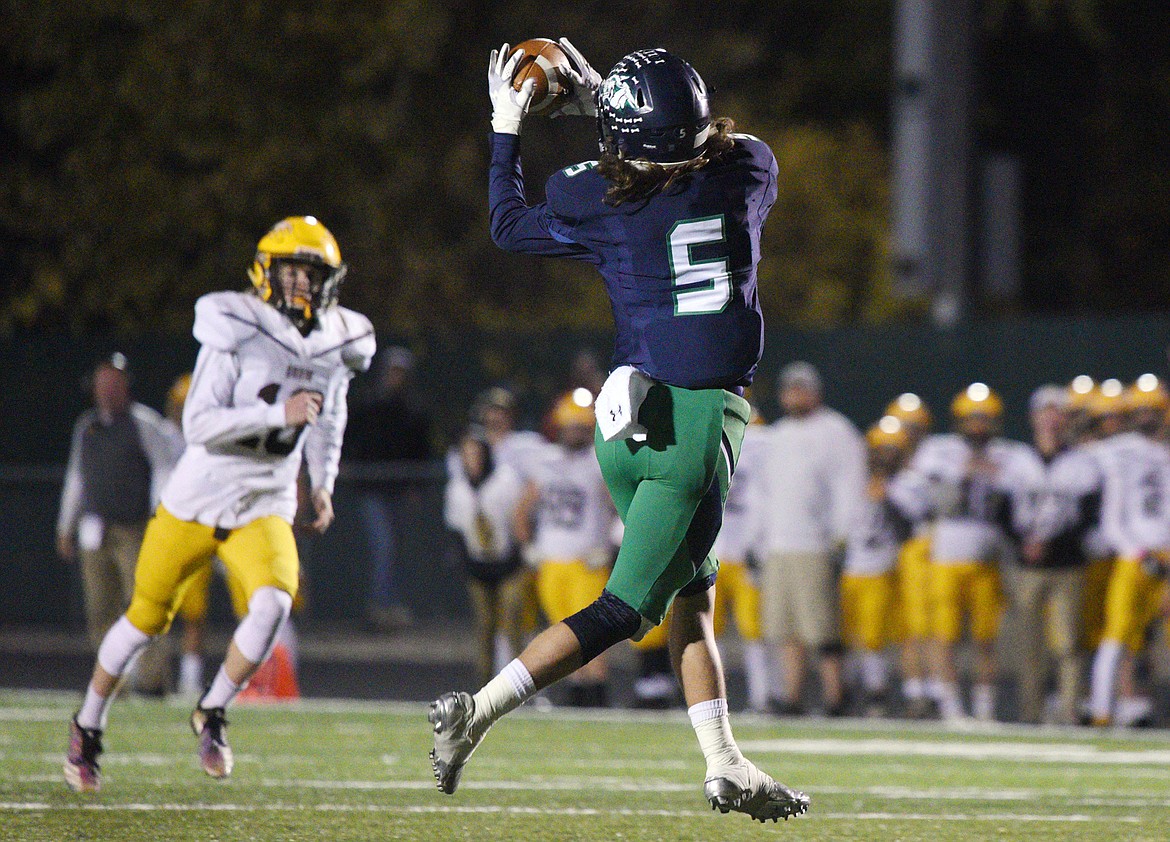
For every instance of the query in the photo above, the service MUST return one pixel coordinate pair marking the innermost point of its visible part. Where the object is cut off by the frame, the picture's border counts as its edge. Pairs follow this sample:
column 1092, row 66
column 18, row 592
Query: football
column 546, row 63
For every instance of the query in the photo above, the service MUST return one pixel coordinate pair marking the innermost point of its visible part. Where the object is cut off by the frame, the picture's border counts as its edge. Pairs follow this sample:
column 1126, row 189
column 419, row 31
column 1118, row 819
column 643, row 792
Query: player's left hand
column 323, row 506
column 583, row 99
column 508, row 105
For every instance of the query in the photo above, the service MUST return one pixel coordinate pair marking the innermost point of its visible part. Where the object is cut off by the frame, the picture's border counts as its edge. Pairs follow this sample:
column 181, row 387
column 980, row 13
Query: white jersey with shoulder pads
column 742, row 532
column 875, row 539
column 574, row 515
column 1135, row 503
column 964, row 509
column 242, row 459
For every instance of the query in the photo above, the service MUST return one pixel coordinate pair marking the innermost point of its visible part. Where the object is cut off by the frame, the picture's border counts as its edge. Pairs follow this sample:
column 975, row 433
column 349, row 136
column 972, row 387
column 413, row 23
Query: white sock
column 935, row 689
column 1132, row 708
column 755, row 666
column 506, row 692
column 914, row 688
column 874, row 672
column 221, row 692
column 713, row 728
column 191, row 673
column 1106, row 663
column 502, row 652
column 94, row 709
column 949, row 704
column 983, row 702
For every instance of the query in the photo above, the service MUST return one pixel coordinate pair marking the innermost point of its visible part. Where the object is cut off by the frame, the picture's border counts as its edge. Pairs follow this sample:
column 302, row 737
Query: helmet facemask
column 303, row 299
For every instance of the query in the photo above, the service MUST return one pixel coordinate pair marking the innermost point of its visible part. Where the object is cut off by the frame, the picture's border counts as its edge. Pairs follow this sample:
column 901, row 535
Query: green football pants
column 669, row 491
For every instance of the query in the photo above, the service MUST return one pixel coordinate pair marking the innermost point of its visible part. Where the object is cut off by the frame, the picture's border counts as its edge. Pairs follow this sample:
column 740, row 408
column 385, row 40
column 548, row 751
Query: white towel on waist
column 617, row 405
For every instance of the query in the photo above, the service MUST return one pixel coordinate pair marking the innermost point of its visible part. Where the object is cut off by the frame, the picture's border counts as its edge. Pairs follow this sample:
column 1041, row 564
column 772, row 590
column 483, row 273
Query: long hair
column 630, row 182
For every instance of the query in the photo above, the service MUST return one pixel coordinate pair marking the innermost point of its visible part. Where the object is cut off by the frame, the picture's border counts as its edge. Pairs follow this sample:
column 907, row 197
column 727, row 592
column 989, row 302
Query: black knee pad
column 698, row 586
column 605, row 621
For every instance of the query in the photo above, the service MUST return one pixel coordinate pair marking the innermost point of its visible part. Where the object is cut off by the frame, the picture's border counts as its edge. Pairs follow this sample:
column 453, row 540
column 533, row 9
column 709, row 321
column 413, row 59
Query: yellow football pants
column 565, row 587
column 971, row 588
column 1131, row 603
column 736, row 591
column 914, row 589
column 867, row 604
column 261, row 553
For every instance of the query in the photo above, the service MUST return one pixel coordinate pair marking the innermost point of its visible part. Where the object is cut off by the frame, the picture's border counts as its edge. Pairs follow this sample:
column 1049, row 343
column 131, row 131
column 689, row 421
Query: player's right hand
column 303, row 408
column 508, row 105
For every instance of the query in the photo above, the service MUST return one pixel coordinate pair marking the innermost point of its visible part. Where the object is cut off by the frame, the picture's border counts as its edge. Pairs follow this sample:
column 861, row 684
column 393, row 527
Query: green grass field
column 346, row 771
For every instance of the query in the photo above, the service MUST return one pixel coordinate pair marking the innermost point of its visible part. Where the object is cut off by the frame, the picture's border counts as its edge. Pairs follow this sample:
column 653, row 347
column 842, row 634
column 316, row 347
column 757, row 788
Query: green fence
column 41, row 395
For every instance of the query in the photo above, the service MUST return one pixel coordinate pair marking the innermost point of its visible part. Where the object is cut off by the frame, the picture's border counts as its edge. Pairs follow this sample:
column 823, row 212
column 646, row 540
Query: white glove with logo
column 582, row 100
column 508, row 106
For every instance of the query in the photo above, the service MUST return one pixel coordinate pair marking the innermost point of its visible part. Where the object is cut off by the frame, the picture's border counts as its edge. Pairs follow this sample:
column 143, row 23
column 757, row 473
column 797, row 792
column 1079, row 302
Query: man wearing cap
column 1052, row 571
column 813, row 478
column 121, row 455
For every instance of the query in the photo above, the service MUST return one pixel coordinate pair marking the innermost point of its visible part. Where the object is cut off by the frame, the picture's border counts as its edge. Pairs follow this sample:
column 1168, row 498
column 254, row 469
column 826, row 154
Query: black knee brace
column 605, row 621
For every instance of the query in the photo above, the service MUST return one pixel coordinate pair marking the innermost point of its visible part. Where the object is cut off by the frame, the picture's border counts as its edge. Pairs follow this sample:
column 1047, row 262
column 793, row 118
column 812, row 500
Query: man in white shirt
column 268, row 390
column 813, row 478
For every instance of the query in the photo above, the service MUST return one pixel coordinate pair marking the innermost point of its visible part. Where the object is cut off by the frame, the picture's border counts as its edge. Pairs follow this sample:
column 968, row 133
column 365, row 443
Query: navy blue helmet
column 653, row 106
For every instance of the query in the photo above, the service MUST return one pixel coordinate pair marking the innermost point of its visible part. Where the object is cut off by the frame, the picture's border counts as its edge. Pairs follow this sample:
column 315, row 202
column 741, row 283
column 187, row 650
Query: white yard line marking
column 1016, row 751
column 490, row 809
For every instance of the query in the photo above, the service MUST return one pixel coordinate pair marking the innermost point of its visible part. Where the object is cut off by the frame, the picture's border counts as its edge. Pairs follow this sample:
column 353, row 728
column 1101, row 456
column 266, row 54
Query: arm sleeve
column 209, row 417
column 70, row 511
column 323, row 439
column 515, row 226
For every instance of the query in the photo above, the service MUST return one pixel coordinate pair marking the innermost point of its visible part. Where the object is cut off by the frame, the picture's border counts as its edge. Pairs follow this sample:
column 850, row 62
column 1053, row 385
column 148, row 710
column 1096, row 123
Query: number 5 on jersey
column 700, row 286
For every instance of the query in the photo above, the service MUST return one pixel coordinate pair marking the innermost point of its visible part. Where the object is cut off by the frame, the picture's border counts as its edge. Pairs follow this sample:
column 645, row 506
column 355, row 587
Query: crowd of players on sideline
column 869, row 554
column 930, row 530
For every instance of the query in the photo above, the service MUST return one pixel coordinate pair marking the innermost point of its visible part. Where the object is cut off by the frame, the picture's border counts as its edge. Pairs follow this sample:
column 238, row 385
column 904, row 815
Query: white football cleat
column 746, row 789
column 451, row 715
column 215, row 755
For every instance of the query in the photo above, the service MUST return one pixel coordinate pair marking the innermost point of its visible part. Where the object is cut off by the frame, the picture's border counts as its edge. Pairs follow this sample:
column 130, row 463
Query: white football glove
column 582, row 99
column 508, row 106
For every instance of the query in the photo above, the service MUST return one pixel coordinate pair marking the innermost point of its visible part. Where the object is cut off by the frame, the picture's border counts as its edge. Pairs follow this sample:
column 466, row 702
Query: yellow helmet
column 1081, row 392
column 887, row 432
column 1108, row 399
column 909, row 409
column 177, row 394
column 575, row 407
column 977, row 399
column 300, row 239
column 1147, row 392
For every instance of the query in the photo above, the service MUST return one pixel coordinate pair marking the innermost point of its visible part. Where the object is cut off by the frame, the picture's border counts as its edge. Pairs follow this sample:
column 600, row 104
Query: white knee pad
column 268, row 608
column 122, row 642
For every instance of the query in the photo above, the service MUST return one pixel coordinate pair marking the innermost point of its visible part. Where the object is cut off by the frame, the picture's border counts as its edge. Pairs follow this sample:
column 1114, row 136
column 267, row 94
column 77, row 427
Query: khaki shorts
column 799, row 599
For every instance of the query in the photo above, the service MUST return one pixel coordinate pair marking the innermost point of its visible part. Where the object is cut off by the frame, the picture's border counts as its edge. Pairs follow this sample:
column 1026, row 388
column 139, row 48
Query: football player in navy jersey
column 671, row 216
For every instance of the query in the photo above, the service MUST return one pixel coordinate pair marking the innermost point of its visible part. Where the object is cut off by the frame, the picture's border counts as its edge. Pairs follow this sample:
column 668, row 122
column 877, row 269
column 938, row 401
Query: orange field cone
column 275, row 681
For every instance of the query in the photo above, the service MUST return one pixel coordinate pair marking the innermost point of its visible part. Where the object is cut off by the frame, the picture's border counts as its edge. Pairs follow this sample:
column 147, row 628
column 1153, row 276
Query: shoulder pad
column 225, row 319
column 360, row 341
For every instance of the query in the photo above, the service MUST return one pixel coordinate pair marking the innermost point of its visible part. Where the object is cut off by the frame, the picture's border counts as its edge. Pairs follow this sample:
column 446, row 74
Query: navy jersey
column 679, row 267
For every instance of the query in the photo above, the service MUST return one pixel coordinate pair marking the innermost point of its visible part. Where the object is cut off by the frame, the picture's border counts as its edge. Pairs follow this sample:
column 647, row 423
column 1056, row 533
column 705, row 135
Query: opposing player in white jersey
column 1135, row 519
column 981, row 489
column 868, row 578
column 739, row 544
column 564, row 520
column 269, row 389
column 914, row 621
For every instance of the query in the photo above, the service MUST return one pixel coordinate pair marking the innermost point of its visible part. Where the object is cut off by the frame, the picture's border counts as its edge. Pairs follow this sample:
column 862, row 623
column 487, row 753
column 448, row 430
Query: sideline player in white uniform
column 269, row 388
column 981, row 488
column 912, row 608
column 739, row 543
column 1135, row 519
column 868, row 578
column 564, row 520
